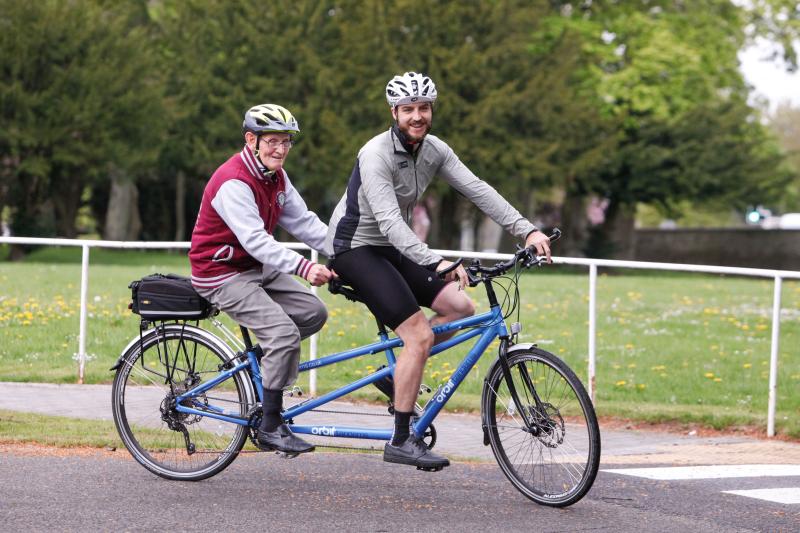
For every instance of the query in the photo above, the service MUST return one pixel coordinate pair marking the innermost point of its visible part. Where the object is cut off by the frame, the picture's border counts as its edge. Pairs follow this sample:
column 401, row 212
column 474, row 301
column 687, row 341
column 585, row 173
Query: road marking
column 788, row 495
column 709, row 472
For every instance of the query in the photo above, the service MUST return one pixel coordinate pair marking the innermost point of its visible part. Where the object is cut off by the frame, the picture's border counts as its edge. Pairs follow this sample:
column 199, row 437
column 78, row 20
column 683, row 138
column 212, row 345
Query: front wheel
column 548, row 446
column 165, row 363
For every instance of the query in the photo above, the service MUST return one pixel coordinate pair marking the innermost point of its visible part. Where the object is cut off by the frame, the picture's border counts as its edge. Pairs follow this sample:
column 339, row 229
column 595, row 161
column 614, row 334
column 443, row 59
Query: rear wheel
column 555, row 461
column 165, row 364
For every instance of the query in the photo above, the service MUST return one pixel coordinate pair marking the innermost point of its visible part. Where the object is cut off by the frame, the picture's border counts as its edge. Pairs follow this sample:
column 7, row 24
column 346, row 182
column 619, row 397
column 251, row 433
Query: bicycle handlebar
column 527, row 256
column 336, row 286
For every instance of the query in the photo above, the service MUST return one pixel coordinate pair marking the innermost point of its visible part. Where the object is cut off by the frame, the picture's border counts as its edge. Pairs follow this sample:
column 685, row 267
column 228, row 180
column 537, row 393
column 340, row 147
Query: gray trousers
column 279, row 310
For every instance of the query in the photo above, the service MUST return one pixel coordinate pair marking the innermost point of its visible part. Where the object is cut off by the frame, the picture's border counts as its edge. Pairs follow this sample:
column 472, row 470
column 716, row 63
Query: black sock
column 402, row 430
column 271, row 410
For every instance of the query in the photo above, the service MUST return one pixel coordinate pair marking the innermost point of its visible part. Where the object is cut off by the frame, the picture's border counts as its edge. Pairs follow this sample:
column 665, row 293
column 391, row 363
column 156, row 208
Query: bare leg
column 450, row 304
column 417, row 338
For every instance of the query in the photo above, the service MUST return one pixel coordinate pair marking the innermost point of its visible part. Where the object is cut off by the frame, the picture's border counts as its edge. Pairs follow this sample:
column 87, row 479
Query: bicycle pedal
column 430, row 468
column 284, row 455
column 294, row 391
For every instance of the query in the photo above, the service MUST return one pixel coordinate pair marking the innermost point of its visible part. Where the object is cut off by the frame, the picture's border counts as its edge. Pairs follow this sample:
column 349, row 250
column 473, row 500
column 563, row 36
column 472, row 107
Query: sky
column 769, row 78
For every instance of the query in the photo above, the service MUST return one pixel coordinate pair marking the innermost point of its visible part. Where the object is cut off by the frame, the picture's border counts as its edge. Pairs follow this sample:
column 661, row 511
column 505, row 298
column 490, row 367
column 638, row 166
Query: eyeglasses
column 274, row 143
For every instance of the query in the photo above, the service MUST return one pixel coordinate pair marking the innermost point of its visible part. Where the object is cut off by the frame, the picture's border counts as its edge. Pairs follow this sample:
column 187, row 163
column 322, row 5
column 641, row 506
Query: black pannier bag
column 168, row 297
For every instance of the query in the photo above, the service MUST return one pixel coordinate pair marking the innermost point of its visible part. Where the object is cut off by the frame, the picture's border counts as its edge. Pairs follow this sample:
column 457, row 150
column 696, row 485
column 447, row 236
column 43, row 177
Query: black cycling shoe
column 283, row 440
column 414, row 452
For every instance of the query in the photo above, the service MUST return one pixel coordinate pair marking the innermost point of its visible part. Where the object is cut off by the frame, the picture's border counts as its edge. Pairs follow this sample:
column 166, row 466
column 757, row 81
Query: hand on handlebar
column 319, row 275
column 541, row 243
column 458, row 274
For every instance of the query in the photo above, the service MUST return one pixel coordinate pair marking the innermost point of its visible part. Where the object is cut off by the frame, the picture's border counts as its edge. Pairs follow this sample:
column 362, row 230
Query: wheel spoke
column 144, row 402
column 556, row 462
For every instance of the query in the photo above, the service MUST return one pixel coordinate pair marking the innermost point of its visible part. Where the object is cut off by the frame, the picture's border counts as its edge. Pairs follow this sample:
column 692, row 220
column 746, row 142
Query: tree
column 659, row 68
column 785, row 124
column 77, row 98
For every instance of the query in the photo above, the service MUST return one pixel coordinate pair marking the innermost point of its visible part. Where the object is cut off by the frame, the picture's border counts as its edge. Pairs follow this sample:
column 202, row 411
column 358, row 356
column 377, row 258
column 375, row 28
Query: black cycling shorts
column 392, row 286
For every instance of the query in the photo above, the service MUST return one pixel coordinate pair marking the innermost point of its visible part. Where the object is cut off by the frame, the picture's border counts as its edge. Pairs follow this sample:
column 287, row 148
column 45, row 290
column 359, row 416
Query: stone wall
column 741, row 247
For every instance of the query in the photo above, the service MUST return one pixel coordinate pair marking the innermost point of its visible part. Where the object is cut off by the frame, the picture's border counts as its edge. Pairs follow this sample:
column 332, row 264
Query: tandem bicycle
column 186, row 401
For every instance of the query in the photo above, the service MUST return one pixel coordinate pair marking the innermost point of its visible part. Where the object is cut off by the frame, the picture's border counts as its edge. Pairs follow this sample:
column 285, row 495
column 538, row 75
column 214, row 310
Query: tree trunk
column 466, row 224
column 489, row 235
column 574, row 225
column 122, row 217
column 66, row 202
column 618, row 231
column 180, row 206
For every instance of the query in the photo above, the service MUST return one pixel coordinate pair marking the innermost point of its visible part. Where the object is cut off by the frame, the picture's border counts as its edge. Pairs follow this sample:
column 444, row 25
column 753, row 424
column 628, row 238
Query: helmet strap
column 258, row 142
column 261, row 166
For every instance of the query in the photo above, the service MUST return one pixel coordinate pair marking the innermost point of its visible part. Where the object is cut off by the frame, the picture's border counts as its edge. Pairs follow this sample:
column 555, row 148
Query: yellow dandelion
column 709, row 374
column 717, row 380
column 621, row 383
column 747, row 365
column 641, row 386
column 340, row 333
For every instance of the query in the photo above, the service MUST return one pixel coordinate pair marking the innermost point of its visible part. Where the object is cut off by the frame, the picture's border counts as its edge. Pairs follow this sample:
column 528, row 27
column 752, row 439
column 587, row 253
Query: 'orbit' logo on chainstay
column 444, row 391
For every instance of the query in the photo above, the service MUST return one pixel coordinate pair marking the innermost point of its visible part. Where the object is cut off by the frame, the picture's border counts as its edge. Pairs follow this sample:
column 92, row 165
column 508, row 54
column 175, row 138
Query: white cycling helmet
column 410, row 88
column 267, row 118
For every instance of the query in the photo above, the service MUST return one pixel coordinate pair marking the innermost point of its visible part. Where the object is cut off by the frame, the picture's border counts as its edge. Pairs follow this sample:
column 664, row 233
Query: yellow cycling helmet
column 267, row 118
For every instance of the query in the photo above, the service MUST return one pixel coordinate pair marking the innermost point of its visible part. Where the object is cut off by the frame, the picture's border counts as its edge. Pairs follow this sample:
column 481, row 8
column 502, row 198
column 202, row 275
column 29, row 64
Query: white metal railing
column 777, row 275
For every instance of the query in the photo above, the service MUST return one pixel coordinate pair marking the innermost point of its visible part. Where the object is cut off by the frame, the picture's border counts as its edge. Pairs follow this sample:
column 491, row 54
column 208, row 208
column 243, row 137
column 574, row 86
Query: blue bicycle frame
column 487, row 326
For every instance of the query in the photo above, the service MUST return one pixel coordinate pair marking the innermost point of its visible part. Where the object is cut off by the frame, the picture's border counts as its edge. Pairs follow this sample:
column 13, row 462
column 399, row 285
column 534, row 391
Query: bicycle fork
column 531, row 424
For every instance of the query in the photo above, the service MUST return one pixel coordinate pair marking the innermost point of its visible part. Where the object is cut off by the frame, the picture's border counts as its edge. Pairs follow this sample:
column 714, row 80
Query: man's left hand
column 540, row 242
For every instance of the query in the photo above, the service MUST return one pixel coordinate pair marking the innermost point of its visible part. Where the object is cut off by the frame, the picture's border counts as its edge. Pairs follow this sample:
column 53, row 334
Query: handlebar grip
column 442, row 273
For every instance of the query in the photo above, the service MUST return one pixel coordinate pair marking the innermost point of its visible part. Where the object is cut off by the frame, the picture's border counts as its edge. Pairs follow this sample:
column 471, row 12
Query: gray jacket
column 386, row 184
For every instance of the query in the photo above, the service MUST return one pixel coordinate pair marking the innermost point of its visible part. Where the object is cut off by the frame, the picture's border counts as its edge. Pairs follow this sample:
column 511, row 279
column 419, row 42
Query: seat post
column 381, row 328
column 248, row 344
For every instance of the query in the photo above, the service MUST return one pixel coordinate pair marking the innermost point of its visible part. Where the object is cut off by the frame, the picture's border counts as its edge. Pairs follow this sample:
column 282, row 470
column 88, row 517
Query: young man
column 374, row 249
column 239, row 267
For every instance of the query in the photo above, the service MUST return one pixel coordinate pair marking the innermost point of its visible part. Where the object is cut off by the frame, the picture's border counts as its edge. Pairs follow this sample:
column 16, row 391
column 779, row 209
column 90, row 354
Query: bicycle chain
column 333, row 411
column 348, row 412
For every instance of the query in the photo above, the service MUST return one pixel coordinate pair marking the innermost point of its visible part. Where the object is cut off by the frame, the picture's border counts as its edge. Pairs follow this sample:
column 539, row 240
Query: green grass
column 692, row 348
column 57, row 431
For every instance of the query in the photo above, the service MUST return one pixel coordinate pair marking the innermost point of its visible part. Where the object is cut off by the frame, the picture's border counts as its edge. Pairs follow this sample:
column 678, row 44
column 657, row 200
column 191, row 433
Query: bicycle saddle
column 337, row 286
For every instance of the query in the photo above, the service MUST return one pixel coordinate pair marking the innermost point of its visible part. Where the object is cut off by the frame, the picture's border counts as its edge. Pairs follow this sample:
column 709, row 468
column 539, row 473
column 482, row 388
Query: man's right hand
column 459, row 274
column 319, row 275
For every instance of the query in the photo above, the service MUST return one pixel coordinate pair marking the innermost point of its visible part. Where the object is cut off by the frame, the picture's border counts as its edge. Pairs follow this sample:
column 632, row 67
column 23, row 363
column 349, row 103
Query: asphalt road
column 350, row 492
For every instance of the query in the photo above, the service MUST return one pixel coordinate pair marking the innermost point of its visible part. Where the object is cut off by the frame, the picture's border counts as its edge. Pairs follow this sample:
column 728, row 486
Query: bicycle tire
column 141, row 396
column 557, row 467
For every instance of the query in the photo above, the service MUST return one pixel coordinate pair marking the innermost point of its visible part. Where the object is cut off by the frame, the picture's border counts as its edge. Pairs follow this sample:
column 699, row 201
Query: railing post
column 592, row 328
column 312, row 374
column 773, row 359
column 82, row 326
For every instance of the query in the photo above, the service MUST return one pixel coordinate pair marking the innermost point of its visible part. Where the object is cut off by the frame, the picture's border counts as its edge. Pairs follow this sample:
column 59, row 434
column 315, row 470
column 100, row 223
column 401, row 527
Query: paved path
column 459, row 435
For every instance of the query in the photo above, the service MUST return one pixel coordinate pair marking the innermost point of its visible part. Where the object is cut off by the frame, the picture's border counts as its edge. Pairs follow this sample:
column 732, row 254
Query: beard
column 415, row 138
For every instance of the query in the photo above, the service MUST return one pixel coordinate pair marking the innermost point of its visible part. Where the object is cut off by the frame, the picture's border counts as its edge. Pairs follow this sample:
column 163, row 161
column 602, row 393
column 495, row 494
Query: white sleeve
column 236, row 205
column 304, row 225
